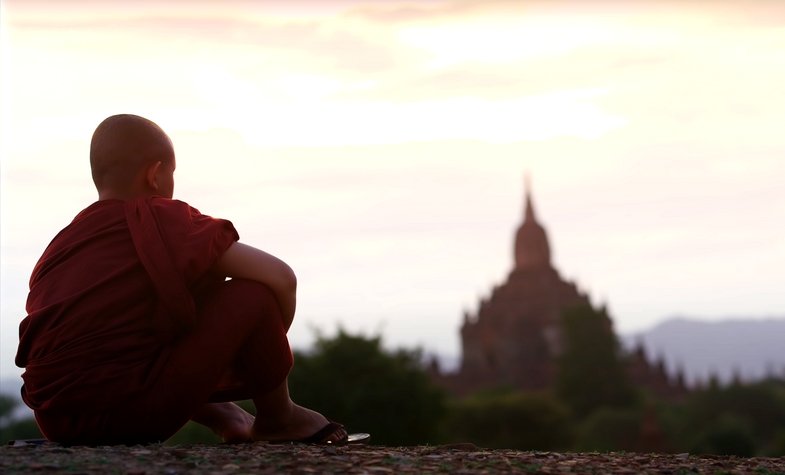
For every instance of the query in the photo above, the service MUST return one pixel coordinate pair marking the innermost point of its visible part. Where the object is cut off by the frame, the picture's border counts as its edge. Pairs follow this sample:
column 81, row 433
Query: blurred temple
column 515, row 338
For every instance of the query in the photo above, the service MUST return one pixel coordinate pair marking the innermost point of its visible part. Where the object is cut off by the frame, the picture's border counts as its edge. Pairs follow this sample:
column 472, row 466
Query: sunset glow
column 380, row 147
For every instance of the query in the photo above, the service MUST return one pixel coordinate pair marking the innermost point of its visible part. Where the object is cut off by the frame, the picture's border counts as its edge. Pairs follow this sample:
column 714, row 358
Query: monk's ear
column 151, row 177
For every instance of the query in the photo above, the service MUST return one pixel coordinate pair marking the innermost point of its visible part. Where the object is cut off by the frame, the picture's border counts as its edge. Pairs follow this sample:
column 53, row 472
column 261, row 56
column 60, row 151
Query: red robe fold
column 110, row 294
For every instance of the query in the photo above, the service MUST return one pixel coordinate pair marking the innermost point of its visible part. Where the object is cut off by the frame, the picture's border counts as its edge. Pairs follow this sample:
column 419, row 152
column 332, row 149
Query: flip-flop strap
column 322, row 436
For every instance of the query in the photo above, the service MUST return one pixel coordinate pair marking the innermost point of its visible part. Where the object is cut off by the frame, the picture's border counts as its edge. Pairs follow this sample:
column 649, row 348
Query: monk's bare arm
column 246, row 262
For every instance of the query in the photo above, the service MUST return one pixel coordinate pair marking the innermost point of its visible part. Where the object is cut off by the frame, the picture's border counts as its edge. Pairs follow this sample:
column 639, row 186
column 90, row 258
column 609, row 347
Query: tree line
column 593, row 407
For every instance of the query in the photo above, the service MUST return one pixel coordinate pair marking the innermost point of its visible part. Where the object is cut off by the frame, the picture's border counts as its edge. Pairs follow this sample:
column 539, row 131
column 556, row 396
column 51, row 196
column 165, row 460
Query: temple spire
column 531, row 248
column 527, row 186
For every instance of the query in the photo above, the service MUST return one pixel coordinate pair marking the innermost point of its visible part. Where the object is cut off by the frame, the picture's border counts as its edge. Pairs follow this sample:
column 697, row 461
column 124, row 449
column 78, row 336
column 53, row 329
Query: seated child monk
column 132, row 327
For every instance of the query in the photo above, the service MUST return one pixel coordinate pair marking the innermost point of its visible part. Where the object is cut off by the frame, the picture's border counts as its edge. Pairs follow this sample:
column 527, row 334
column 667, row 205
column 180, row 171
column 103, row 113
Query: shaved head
column 123, row 146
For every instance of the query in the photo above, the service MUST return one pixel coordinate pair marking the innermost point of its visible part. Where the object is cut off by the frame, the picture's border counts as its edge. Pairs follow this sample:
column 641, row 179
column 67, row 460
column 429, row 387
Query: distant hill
column 750, row 348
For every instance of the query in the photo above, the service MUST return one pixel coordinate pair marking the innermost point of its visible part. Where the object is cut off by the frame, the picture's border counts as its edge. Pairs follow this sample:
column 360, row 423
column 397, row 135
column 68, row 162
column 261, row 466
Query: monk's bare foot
column 294, row 423
column 228, row 420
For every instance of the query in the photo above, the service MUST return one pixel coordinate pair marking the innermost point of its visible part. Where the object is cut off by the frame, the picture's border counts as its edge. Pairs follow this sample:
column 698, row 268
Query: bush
column 728, row 435
column 734, row 417
column 609, row 429
column 12, row 428
column 512, row 420
column 352, row 379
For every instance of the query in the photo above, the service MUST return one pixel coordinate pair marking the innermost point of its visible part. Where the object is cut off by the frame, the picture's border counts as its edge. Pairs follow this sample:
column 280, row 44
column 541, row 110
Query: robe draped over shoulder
column 109, row 295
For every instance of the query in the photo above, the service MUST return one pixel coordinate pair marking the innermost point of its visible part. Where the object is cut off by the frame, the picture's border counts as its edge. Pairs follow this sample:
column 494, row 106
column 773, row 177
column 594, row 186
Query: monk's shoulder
column 172, row 208
column 101, row 210
column 98, row 218
column 171, row 213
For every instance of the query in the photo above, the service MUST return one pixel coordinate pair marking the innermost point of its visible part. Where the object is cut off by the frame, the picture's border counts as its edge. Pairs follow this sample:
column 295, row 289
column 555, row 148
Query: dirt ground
column 266, row 458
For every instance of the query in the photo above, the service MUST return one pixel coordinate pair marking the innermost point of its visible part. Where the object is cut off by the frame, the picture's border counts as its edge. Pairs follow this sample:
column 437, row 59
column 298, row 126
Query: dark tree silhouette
column 591, row 373
column 512, row 420
column 11, row 428
column 352, row 379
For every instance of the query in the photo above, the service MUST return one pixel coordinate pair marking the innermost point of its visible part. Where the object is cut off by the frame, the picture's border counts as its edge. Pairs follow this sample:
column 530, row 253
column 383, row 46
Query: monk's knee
column 244, row 302
column 265, row 358
column 253, row 294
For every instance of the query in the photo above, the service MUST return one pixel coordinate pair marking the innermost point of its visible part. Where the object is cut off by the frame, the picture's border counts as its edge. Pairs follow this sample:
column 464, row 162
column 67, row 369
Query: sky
column 380, row 147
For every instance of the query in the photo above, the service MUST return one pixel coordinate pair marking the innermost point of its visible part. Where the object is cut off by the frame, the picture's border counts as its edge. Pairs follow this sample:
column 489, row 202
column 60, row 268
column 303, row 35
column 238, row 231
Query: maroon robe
column 128, row 331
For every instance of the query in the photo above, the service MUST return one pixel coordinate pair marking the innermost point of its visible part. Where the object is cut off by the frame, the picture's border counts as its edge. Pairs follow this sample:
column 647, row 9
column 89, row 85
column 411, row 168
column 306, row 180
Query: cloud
column 669, row 67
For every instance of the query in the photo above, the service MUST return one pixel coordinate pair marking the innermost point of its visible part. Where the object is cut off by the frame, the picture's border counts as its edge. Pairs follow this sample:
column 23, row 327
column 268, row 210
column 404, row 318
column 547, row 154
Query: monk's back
column 94, row 316
column 89, row 311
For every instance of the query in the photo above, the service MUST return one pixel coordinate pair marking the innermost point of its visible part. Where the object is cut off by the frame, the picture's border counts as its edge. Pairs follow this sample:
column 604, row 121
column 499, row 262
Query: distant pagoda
column 515, row 337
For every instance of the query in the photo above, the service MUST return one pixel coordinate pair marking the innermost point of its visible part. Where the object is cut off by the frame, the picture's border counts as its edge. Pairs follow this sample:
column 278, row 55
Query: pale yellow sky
column 379, row 147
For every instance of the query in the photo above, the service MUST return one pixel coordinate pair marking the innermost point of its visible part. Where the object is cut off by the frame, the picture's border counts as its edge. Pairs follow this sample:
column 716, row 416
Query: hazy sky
column 380, row 147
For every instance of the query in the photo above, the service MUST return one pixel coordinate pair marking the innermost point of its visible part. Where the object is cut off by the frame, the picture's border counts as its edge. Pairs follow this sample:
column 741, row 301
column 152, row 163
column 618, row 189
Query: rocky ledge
column 263, row 458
